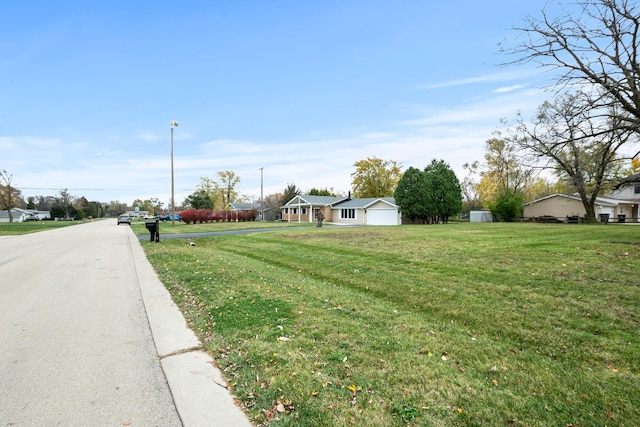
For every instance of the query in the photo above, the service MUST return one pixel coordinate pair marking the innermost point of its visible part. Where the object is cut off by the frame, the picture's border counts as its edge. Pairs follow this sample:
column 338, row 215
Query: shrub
column 507, row 207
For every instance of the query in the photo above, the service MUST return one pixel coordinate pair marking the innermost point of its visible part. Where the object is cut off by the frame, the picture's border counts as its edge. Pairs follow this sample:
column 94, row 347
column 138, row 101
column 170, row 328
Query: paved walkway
column 90, row 337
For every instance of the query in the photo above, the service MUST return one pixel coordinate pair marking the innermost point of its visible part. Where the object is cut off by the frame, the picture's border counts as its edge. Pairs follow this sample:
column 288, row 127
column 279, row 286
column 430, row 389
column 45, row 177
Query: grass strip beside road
column 17, row 228
column 181, row 228
column 461, row 324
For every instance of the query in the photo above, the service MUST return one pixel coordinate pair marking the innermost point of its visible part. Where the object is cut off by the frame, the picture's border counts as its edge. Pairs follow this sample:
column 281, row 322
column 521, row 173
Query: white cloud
column 502, row 76
column 148, row 136
column 505, row 89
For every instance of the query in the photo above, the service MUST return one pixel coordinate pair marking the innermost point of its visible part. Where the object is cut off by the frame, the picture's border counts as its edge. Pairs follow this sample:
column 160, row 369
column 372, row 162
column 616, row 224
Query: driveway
column 77, row 309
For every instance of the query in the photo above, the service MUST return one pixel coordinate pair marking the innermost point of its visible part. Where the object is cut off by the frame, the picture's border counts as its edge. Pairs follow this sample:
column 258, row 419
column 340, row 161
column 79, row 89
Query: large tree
column 432, row 195
column 580, row 143
column 596, row 44
column 504, row 171
column 220, row 192
column 411, row 195
column 444, row 195
column 227, row 186
column 375, row 177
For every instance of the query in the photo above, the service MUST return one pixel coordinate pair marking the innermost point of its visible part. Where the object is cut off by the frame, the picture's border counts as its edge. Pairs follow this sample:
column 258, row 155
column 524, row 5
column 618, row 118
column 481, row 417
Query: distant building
column 21, row 215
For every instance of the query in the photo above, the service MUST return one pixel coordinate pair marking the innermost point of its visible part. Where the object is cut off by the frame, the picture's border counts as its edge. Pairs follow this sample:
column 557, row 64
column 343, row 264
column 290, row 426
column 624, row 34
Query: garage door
column 382, row 217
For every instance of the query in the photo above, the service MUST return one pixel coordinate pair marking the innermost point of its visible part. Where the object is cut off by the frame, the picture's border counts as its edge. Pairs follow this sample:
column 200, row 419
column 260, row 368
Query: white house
column 369, row 211
column 21, row 215
column 342, row 210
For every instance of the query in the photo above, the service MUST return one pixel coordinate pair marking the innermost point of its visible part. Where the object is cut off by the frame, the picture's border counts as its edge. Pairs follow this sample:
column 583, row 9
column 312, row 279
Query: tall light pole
column 261, row 194
column 172, row 124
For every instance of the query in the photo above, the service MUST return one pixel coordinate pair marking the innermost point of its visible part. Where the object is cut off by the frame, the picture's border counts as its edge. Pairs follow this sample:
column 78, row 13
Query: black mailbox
column 154, row 230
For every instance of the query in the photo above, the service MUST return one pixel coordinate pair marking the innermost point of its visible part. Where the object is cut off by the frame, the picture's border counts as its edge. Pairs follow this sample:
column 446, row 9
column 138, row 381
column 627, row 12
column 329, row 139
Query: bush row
column 201, row 216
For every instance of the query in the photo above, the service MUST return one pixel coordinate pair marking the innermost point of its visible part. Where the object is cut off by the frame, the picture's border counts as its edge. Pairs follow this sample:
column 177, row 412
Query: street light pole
column 172, row 124
column 261, row 194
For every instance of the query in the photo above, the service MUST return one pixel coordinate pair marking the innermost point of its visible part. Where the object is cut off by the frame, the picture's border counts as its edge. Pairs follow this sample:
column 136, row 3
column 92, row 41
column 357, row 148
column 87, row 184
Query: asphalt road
column 76, row 346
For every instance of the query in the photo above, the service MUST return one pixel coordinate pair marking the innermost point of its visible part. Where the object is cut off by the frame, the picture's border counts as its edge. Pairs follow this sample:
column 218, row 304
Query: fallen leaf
column 495, row 383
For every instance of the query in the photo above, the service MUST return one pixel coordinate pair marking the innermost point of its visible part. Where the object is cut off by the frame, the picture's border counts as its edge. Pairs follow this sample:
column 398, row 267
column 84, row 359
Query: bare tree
column 65, row 201
column 580, row 143
column 468, row 186
column 597, row 46
column 8, row 194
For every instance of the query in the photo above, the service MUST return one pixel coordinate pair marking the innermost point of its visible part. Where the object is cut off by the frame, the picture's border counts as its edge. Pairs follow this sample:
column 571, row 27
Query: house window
column 636, row 189
column 348, row 213
column 294, row 211
column 286, row 210
column 304, row 211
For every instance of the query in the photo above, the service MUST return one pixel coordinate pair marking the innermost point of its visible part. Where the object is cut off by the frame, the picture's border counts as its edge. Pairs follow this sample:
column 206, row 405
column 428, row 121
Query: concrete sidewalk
column 91, row 337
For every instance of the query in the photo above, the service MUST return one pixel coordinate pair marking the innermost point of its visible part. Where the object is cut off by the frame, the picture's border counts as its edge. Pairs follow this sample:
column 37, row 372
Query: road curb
column 199, row 391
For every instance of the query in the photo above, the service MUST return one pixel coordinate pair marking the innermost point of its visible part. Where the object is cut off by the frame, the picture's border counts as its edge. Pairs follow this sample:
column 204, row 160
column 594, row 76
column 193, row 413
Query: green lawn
column 15, row 228
column 440, row 325
column 180, row 227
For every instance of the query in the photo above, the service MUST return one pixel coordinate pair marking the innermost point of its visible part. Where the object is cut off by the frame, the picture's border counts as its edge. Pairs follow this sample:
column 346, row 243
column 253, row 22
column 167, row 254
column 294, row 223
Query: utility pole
column 172, row 124
column 262, row 194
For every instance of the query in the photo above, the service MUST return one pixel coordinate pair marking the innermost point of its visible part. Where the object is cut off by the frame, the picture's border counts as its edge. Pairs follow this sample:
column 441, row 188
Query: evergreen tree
column 411, row 195
column 444, row 195
column 432, row 195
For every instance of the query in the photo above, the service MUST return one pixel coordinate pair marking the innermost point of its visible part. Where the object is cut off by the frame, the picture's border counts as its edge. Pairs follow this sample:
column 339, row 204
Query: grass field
column 180, row 227
column 441, row 325
column 15, row 228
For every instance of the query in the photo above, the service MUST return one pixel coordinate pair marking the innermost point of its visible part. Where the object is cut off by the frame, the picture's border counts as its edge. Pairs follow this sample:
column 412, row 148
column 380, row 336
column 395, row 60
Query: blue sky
column 301, row 89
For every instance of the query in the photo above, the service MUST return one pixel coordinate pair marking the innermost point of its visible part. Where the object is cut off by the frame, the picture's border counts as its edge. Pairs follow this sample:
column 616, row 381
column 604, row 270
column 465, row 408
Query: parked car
column 32, row 218
column 124, row 219
column 165, row 218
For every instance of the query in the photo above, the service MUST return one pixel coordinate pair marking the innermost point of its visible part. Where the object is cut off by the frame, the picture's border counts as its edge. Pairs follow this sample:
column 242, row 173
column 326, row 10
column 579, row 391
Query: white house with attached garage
column 342, row 210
